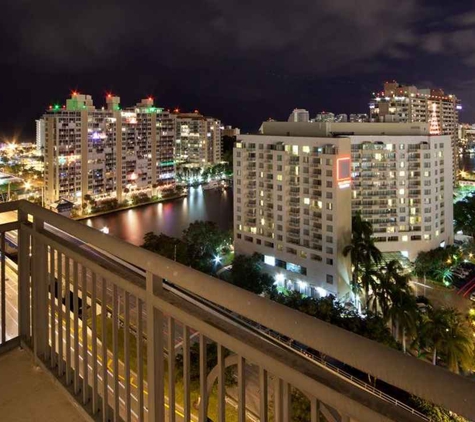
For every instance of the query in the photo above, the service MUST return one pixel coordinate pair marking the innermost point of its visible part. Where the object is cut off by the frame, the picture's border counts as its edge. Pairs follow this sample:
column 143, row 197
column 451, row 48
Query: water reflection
column 170, row 217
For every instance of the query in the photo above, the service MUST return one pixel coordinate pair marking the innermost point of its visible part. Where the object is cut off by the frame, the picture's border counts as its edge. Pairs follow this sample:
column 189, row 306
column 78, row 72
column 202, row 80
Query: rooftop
column 331, row 129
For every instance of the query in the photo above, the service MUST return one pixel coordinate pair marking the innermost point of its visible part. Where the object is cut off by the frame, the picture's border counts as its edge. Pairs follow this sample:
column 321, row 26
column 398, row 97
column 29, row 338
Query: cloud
column 456, row 43
column 299, row 36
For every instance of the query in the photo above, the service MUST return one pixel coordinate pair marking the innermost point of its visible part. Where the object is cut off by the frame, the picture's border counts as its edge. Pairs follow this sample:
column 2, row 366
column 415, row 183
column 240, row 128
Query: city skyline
column 242, row 73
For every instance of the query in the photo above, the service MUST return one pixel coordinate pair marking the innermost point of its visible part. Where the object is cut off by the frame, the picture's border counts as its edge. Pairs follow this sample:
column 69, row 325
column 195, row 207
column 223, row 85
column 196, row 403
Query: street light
column 217, row 259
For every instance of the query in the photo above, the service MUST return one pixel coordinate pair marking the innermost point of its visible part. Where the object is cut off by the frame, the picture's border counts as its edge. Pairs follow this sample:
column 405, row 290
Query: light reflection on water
column 171, row 217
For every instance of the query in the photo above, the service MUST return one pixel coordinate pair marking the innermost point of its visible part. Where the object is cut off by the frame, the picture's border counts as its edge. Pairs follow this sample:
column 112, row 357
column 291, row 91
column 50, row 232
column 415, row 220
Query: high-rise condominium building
column 106, row 152
column 294, row 200
column 291, row 196
column 198, row 139
column 409, row 104
column 40, row 135
column 299, row 115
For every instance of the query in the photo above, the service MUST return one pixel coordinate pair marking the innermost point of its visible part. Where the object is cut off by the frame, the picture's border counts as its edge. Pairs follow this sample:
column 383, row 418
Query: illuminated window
column 295, row 149
column 401, row 191
column 402, row 173
column 269, row 260
column 306, row 201
column 279, row 177
column 405, row 238
column 306, row 149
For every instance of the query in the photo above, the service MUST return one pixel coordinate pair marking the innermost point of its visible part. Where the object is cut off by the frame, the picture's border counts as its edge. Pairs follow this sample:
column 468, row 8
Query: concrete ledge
column 29, row 392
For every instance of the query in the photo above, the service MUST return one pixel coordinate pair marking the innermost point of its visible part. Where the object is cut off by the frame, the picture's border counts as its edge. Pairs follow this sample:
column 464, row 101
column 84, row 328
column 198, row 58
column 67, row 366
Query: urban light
column 27, row 185
column 217, row 259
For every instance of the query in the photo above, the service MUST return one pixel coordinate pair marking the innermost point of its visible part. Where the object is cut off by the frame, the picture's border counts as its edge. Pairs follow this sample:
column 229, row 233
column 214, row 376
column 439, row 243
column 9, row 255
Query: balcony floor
column 27, row 393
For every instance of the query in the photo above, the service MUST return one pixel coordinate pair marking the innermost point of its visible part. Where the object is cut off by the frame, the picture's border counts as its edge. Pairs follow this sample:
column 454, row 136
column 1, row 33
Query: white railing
column 122, row 363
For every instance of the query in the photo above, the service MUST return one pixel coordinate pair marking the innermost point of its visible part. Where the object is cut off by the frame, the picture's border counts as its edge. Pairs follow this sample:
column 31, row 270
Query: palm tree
column 404, row 314
column 457, row 344
column 363, row 252
column 444, row 275
column 356, row 249
column 392, row 297
column 391, row 282
column 434, row 328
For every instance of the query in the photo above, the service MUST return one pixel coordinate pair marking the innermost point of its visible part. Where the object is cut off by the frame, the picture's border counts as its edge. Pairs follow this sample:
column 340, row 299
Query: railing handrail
column 410, row 374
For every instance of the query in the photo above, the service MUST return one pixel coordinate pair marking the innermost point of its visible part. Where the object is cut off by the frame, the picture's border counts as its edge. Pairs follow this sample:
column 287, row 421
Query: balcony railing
column 109, row 319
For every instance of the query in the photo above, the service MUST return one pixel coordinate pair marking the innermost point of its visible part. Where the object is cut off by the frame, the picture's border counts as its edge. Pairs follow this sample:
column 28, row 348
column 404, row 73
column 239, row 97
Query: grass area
column 231, row 413
column 228, row 259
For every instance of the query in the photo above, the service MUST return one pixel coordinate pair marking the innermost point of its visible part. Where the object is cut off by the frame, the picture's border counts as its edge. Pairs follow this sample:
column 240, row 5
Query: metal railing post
column 155, row 343
column 24, row 271
column 40, row 293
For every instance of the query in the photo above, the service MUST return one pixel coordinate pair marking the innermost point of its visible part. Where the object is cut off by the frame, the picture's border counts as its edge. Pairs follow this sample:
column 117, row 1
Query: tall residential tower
column 106, row 152
column 409, row 104
column 297, row 186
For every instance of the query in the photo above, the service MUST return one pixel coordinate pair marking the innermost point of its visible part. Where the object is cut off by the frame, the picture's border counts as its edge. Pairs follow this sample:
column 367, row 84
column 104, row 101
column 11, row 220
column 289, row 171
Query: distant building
column 40, row 135
column 341, row 118
column 409, row 104
column 198, row 139
column 325, row 116
column 107, row 152
column 294, row 182
column 359, row 118
column 230, row 131
column 299, row 115
column 466, row 135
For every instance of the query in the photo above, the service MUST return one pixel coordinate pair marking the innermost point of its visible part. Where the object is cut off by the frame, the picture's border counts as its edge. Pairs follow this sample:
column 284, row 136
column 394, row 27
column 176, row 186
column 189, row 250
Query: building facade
column 403, row 186
column 294, row 200
column 106, row 152
column 198, row 139
column 291, row 196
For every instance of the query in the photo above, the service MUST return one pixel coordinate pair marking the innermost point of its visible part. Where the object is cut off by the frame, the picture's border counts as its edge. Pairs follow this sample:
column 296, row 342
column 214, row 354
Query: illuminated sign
column 343, row 169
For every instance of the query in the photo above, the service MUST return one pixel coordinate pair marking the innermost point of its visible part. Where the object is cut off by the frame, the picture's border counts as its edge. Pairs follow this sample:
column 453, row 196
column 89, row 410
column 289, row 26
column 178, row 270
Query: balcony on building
column 93, row 328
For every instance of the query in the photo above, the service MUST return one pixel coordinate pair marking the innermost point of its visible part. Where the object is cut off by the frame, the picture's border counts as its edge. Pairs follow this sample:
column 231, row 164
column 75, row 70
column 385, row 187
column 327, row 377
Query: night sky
column 239, row 60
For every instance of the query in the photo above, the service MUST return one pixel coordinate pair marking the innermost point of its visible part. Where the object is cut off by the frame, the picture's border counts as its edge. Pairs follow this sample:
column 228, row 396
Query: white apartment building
column 106, row 152
column 299, row 115
column 291, row 205
column 401, row 181
column 40, row 135
column 198, row 139
column 409, row 104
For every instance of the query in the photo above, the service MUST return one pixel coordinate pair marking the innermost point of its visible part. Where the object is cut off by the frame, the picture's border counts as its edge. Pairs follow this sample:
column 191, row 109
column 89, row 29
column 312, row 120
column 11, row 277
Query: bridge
column 109, row 320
